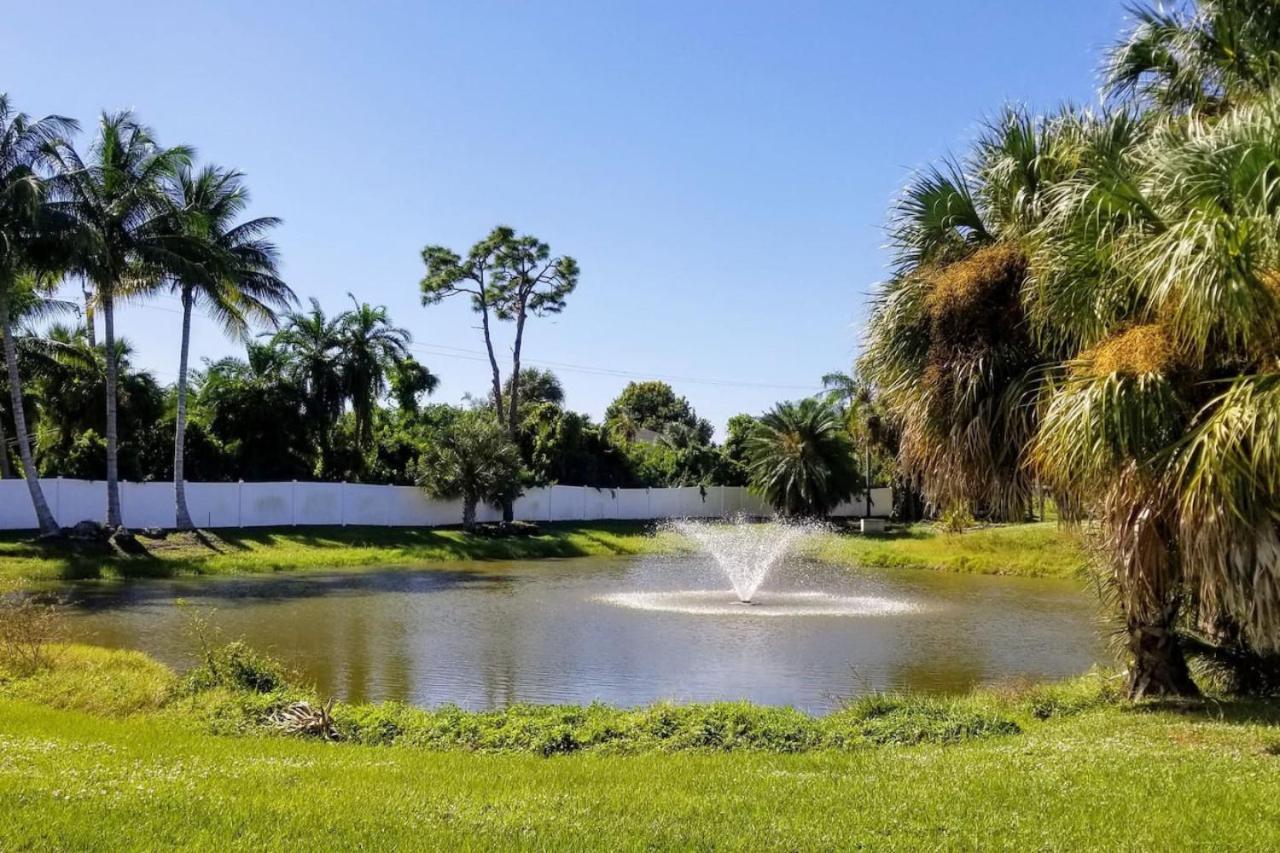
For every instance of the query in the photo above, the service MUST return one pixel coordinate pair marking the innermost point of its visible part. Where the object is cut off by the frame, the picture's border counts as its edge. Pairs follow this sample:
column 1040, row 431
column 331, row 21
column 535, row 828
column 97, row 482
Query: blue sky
column 720, row 170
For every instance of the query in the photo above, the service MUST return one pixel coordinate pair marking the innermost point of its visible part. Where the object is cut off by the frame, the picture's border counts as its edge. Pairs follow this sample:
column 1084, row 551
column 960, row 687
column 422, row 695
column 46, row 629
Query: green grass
column 1030, row 550
column 1040, row 550
column 1080, row 774
column 317, row 548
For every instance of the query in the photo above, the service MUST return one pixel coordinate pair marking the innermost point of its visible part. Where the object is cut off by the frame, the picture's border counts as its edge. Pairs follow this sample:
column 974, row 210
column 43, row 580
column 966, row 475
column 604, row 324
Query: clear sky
column 721, row 170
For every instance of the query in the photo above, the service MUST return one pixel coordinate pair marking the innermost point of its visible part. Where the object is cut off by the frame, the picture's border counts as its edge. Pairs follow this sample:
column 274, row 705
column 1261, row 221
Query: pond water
column 625, row 631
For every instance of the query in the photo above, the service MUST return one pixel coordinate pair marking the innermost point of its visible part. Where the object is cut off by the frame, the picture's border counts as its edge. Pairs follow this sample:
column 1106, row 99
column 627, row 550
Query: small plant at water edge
column 28, row 625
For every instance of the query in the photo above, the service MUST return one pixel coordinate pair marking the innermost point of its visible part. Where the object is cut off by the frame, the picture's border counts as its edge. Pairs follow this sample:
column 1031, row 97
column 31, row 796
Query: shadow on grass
column 1240, row 711
column 283, row 548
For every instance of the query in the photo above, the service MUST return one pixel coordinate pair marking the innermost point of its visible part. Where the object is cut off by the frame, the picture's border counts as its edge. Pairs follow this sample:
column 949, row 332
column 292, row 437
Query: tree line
column 315, row 395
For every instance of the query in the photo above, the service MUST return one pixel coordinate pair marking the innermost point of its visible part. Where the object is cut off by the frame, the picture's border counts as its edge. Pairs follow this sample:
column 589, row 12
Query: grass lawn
column 1032, row 550
column 227, row 551
column 1042, row 550
column 1093, row 776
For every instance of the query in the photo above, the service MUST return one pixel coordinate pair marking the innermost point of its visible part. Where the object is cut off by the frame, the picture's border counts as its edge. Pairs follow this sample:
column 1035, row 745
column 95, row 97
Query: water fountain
column 746, row 553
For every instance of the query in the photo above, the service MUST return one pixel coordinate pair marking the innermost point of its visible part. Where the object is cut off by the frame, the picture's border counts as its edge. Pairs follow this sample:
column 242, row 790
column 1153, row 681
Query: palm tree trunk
column 493, row 363
column 469, row 512
column 1159, row 666
column 6, row 471
column 44, row 517
column 183, row 516
column 113, row 461
column 87, row 290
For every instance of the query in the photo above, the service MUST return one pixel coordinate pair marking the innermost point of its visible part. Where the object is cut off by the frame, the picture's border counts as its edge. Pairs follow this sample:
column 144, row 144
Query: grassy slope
column 1030, row 550
column 287, row 549
column 1106, row 779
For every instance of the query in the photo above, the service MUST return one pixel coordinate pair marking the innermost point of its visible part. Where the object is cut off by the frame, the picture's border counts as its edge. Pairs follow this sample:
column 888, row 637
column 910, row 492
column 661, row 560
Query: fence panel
column 284, row 504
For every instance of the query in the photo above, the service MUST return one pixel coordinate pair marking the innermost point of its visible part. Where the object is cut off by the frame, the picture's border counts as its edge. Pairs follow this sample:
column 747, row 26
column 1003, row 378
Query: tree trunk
column 87, row 290
column 113, row 461
column 182, row 515
column 513, row 420
column 493, row 364
column 1159, row 667
column 6, row 471
column 469, row 512
column 48, row 524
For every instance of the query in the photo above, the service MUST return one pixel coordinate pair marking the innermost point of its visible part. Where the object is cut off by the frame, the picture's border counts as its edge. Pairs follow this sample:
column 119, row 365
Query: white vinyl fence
column 297, row 503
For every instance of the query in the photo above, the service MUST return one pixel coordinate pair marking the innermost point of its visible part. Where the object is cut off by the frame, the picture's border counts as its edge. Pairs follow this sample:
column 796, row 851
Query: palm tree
column 235, row 279
column 475, row 459
column 801, row 458
column 313, row 344
column 1160, row 280
column 1202, row 57
column 24, row 246
column 117, row 198
column 371, row 346
column 948, row 344
column 409, row 379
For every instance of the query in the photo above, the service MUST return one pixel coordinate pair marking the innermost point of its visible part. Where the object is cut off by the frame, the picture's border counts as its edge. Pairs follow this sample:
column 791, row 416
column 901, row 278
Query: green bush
column 235, row 666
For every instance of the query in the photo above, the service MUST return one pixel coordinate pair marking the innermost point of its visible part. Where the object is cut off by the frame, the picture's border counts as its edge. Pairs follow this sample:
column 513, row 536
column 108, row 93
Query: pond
column 626, row 631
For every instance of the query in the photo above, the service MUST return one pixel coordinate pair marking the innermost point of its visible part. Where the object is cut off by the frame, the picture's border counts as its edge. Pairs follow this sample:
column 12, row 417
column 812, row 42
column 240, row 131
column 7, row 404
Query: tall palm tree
column 313, row 344
column 235, row 279
column 117, row 196
column 800, row 458
column 371, row 346
column 25, row 245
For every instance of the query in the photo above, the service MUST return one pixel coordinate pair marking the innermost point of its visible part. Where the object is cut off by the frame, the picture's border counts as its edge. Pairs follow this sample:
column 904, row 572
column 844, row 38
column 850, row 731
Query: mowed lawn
column 1043, row 549
column 278, row 549
column 1109, row 779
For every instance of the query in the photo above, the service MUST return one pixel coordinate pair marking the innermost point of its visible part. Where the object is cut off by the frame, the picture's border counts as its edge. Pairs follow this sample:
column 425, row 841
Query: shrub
column 28, row 624
column 234, row 666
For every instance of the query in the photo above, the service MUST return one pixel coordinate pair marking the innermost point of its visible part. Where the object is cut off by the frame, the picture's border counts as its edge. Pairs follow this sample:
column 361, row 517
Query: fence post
column 293, row 502
column 240, row 503
column 342, row 502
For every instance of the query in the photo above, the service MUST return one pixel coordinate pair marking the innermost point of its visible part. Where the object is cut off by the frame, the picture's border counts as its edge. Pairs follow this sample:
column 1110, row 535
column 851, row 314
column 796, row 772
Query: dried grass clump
column 1146, row 349
column 977, row 291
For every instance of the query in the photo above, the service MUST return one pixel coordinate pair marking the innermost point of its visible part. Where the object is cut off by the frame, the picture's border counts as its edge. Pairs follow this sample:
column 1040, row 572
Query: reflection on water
column 490, row 634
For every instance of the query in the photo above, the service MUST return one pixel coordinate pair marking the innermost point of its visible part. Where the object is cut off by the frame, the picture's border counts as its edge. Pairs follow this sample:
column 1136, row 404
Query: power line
column 465, row 354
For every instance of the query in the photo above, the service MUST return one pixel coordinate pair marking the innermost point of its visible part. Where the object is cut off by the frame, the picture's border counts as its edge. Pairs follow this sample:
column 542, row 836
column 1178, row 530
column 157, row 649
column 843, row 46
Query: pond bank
column 1031, row 550
column 122, row 764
